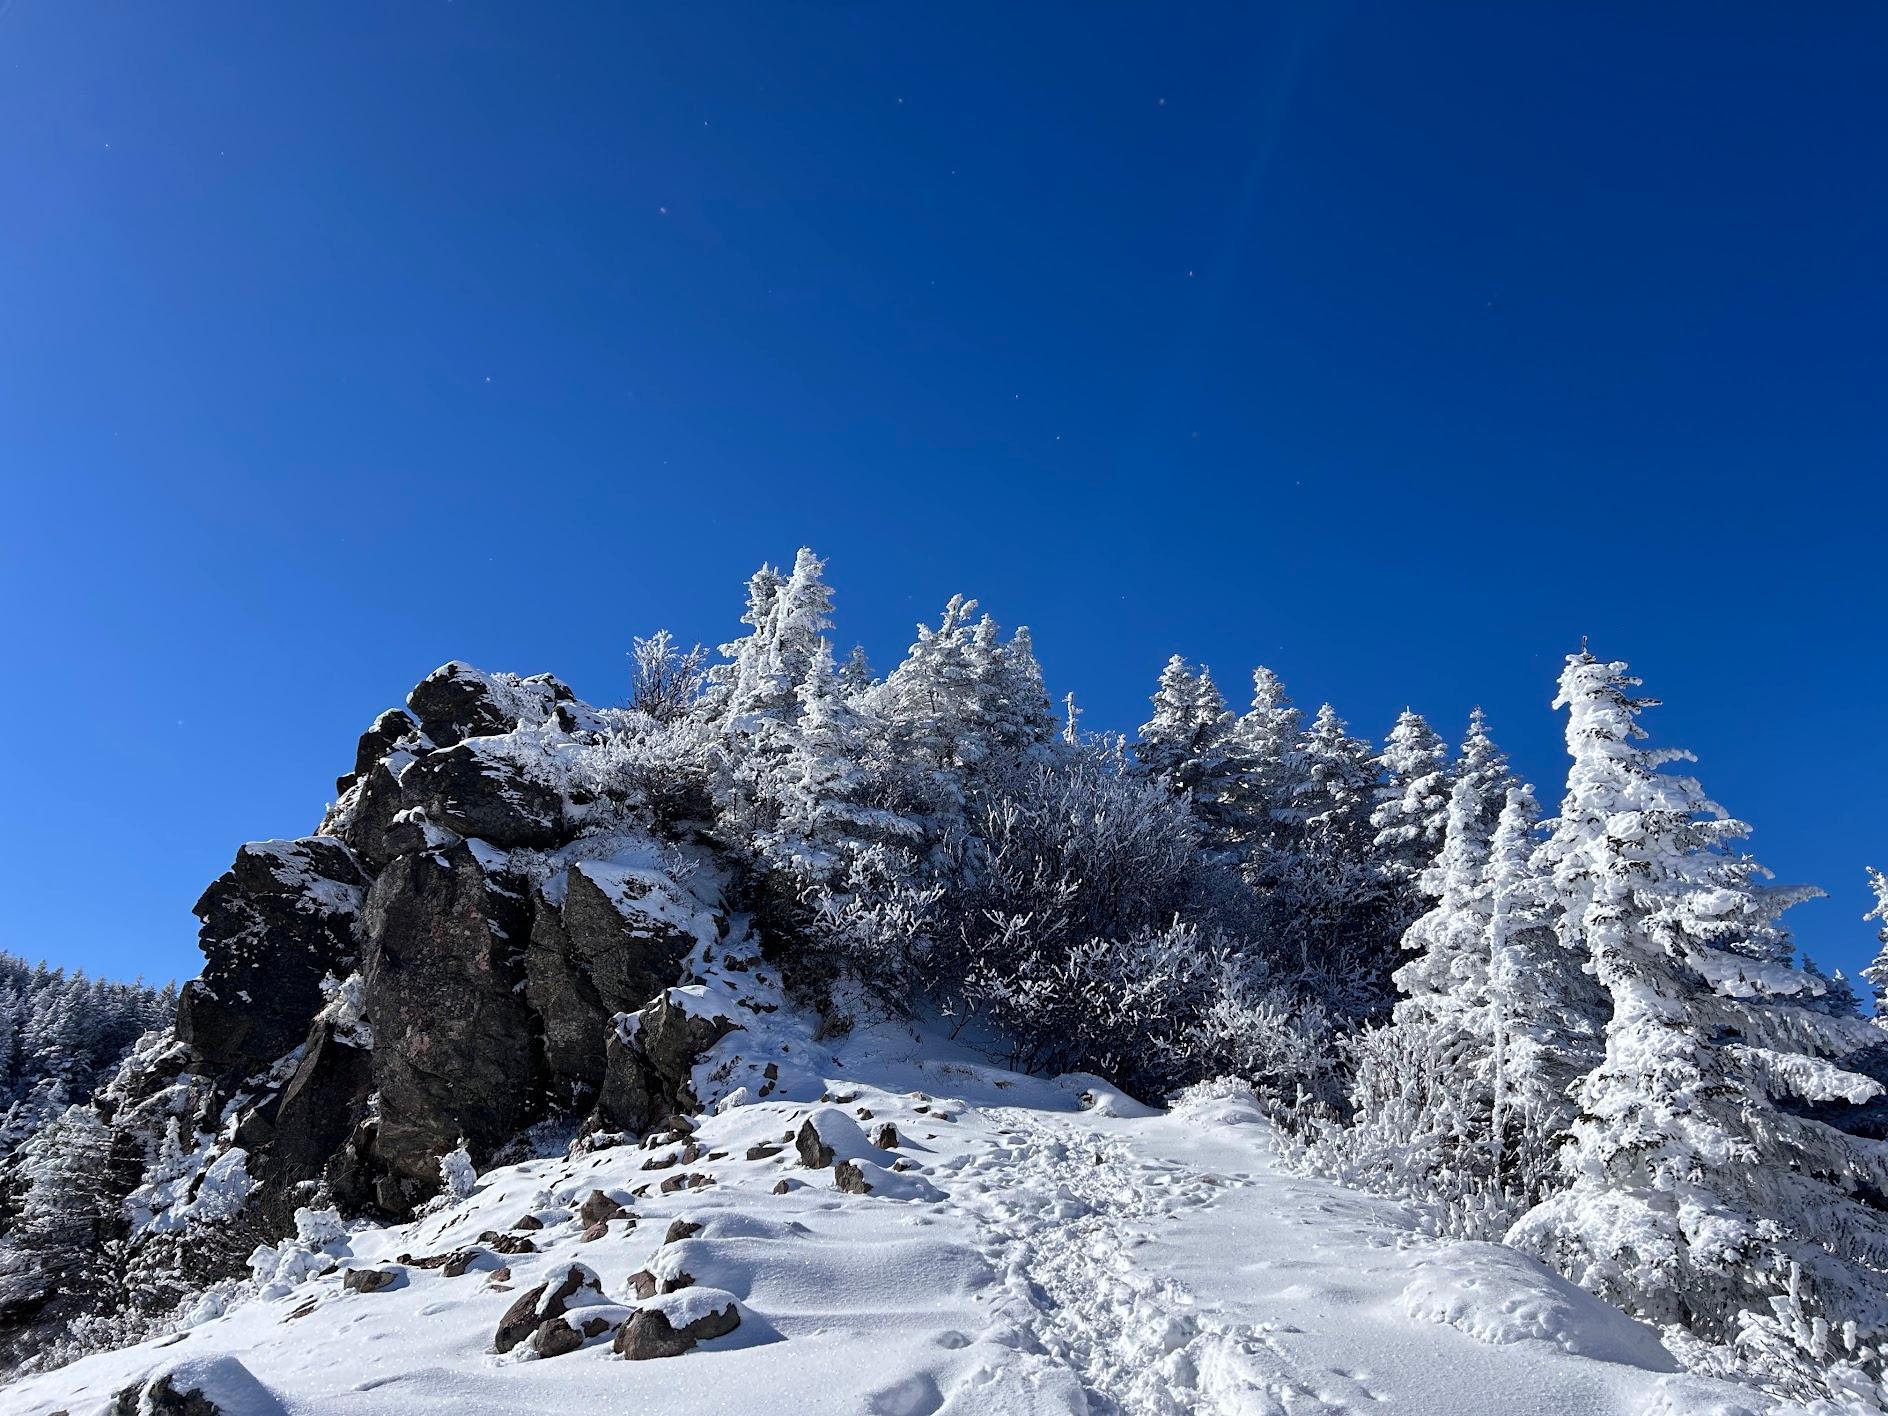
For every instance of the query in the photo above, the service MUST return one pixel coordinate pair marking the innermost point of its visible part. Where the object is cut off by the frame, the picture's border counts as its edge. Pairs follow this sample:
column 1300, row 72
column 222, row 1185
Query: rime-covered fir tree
column 1545, row 1011
column 1413, row 801
column 1481, row 762
column 1694, row 1196
column 1188, row 721
column 1445, row 987
column 1877, row 971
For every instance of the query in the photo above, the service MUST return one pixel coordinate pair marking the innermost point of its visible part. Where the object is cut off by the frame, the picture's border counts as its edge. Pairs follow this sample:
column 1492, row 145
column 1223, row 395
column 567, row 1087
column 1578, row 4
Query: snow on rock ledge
column 1499, row 1296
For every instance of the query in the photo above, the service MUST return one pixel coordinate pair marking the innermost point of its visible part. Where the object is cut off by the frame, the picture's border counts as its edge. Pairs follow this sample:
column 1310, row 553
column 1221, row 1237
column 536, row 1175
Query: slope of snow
column 1051, row 1248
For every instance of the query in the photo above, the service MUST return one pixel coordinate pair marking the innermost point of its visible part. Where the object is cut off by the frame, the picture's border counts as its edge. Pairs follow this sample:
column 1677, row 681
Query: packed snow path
column 1175, row 1270
column 1048, row 1248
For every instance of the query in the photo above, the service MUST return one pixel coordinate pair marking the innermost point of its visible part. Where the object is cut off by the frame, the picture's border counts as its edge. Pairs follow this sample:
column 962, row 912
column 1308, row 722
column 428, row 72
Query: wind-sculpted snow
column 1028, row 1247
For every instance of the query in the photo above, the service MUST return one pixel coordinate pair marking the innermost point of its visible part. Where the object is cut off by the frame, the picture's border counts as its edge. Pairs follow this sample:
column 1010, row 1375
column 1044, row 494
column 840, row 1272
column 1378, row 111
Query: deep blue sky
column 1395, row 346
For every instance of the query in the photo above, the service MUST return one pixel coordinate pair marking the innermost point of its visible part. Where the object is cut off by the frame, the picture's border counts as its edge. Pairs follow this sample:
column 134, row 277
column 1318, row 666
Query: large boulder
column 576, row 1285
column 456, row 701
column 650, row 1062
column 274, row 925
column 452, row 1056
column 593, row 955
column 470, row 791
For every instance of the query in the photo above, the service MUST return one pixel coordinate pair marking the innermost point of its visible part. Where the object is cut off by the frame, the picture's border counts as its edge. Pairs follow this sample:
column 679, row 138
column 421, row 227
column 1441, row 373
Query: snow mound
column 1100, row 1097
column 1499, row 1296
column 223, row 1380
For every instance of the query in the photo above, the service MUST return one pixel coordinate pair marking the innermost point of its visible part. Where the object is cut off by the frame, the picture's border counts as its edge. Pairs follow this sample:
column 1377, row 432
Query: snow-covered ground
column 1051, row 1247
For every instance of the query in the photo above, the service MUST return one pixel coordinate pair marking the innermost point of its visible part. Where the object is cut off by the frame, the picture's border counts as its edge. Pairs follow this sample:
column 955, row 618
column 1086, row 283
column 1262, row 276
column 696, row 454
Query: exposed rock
column 783, row 1187
column 388, row 731
column 274, row 925
column 554, row 1337
column 550, row 1299
column 680, row 1229
column 766, row 1150
column 649, row 1061
column 591, row 957
column 456, row 701
column 815, row 1154
column 848, row 1177
column 599, row 1206
column 530, row 1221
column 471, row 792
column 649, row 1332
column 160, row 1398
column 885, row 1136
column 317, row 1112
column 452, row 1054
column 369, row 1280
column 594, row 1232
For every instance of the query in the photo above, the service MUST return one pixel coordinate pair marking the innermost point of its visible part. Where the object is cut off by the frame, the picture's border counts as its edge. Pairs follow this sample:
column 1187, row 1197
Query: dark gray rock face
column 457, row 701
column 452, row 1053
column 389, row 730
column 649, row 1062
column 317, row 1112
column 470, row 793
column 278, row 921
column 589, row 959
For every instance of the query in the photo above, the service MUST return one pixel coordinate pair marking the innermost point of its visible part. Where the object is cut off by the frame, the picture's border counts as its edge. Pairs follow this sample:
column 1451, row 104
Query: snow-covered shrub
column 666, row 680
column 458, row 1177
column 1283, row 1046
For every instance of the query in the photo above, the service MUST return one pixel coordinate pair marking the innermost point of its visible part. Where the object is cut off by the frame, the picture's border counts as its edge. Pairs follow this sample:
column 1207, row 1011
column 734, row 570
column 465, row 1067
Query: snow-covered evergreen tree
column 1445, row 987
column 1546, row 1013
column 1166, row 740
column 1695, row 1196
column 1179, row 742
column 1413, row 802
column 1877, row 971
column 1249, row 773
column 1484, row 764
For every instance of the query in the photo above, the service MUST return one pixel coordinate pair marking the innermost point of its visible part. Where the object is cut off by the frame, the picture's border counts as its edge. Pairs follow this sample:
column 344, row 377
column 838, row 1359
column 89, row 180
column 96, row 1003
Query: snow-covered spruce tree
column 855, row 675
column 1484, row 764
column 1545, row 1013
column 820, row 788
column 1421, row 1092
column 1167, row 741
column 1248, row 772
column 1322, row 898
column 1694, row 1198
column 63, row 1250
column 1413, row 802
column 964, row 713
column 1877, row 971
column 753, row 699
column 1181, row 742
column 1445, row 987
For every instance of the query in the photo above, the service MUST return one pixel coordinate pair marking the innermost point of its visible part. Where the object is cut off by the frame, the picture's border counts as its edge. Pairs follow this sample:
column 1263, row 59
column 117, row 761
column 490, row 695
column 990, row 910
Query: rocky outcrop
column 470, row 945
column 452, row 1057
column 274, row 925
column 318, row 1111
column 650, row 1063
column 593, row 955
column 469, row 791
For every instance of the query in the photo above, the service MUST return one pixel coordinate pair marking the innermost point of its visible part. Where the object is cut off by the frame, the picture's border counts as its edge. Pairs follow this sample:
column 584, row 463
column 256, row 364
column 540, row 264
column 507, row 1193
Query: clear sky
column 1396, row 346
